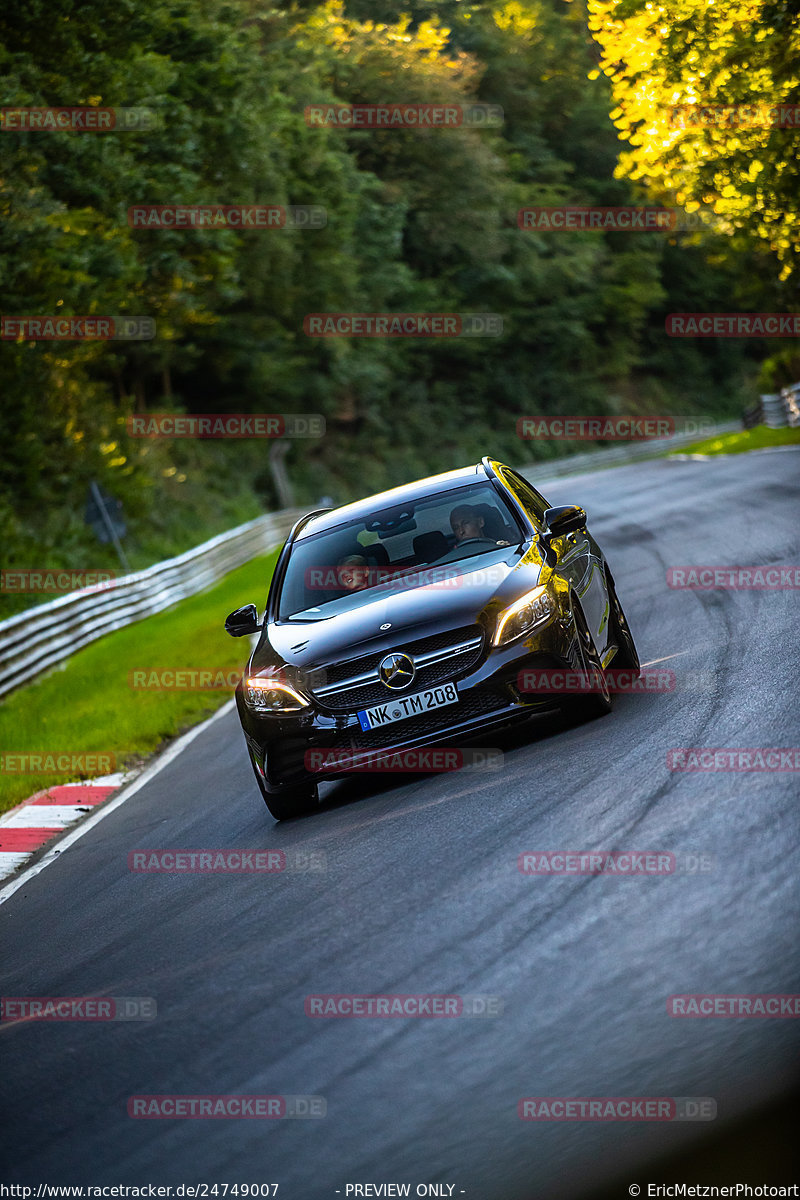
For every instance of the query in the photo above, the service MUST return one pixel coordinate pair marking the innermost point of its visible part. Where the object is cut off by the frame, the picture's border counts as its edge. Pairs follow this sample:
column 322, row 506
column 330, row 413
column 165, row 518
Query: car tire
column 627, row 656
column 597, row 702
column 292, row 802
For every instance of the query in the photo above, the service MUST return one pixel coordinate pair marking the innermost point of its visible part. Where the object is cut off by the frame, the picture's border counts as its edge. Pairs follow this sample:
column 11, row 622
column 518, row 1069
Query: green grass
column 89, row 707
column 748, row 439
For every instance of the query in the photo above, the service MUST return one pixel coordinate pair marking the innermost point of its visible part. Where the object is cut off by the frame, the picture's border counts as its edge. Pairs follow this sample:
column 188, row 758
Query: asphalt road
column 422, row 895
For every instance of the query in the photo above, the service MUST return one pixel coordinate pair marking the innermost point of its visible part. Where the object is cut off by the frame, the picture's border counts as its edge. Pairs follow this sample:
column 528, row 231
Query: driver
column 467, row 524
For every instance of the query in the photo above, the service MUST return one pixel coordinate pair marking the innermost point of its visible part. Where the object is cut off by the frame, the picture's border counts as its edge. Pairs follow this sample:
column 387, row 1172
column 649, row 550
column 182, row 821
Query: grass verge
column 91, row 706
column 759, row 438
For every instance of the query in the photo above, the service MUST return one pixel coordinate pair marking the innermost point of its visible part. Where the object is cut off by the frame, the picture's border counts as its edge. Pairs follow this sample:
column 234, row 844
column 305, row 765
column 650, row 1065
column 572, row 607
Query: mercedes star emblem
column 397, row 670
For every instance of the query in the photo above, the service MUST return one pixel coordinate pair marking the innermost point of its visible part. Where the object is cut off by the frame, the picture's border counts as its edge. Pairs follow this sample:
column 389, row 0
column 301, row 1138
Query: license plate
column 401, row 707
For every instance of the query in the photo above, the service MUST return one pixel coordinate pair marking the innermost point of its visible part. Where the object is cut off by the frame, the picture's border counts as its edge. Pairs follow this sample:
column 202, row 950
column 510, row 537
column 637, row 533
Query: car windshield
column 408, row 545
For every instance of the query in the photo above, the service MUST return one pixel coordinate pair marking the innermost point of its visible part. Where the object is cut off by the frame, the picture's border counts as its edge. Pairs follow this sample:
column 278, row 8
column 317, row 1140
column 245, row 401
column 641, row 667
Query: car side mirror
column 242, row 621
column 567, row 518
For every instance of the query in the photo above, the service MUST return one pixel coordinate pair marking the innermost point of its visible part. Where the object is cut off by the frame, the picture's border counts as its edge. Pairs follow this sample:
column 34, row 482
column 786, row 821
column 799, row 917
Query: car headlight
column 272, row 695
column 532, row 609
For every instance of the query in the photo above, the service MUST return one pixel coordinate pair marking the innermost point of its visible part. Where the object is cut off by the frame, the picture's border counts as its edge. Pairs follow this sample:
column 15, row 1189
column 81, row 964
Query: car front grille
column 356, row 683
column 472, row 705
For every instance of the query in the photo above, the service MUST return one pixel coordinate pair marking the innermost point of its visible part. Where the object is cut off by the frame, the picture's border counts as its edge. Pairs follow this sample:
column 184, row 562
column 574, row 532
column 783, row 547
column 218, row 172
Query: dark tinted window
column 533, row 503
column 326, row 571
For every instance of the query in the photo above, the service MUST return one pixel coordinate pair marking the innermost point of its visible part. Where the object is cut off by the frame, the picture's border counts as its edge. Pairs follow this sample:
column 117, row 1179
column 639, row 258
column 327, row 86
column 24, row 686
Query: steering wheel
column 466, row 542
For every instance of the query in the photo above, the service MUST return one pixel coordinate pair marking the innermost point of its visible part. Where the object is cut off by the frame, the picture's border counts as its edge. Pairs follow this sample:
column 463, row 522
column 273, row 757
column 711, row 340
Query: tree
column 665, row 60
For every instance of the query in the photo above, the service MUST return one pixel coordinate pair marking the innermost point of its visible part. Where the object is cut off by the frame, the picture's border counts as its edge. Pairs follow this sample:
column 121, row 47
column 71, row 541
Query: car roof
column 446, row 481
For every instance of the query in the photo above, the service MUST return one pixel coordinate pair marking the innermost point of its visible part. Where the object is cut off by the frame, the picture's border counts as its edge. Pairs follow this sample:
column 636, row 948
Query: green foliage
column 106, row 713
column 762, row 437
column 417, row 221
column 733, row 58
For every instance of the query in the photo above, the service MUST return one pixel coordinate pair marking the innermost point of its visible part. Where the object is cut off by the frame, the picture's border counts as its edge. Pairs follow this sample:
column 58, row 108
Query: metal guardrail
column 776, row 409
column 41, row 637
column 44, row 636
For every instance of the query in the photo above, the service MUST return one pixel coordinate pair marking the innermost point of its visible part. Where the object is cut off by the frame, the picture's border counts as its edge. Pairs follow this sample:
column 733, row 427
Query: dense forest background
column 417, row 221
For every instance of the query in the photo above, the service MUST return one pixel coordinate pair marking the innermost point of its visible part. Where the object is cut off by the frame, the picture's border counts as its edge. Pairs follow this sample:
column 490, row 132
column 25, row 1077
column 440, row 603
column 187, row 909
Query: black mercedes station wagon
column 408, row 620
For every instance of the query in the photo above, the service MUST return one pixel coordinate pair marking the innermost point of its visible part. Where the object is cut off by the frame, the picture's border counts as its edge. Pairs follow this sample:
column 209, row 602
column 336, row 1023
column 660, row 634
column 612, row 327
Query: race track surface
column 422, row 895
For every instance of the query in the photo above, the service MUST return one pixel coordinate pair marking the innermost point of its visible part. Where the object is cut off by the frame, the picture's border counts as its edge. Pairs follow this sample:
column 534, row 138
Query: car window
column 534, row 504
column 399, row 543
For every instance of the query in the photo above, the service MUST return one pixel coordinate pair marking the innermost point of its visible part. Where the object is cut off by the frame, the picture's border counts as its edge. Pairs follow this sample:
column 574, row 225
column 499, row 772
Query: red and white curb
column 25, row 829
column 125, row 787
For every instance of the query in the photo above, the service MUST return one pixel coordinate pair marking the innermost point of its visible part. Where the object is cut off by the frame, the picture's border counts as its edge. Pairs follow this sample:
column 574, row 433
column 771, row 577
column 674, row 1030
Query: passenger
column 353, row 572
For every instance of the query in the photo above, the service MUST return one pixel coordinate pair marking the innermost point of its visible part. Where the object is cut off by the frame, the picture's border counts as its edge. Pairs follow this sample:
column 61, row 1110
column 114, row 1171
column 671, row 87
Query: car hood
column 457, row 597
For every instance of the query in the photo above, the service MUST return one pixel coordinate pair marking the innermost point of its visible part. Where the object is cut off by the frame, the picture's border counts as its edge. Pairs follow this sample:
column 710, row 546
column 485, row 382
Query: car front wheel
column 626, row 655
column 293, row 802
column 597, row 700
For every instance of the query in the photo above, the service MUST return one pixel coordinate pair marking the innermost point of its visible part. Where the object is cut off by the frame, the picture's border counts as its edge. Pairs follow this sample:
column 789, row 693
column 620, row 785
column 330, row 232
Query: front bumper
column 489, row 698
